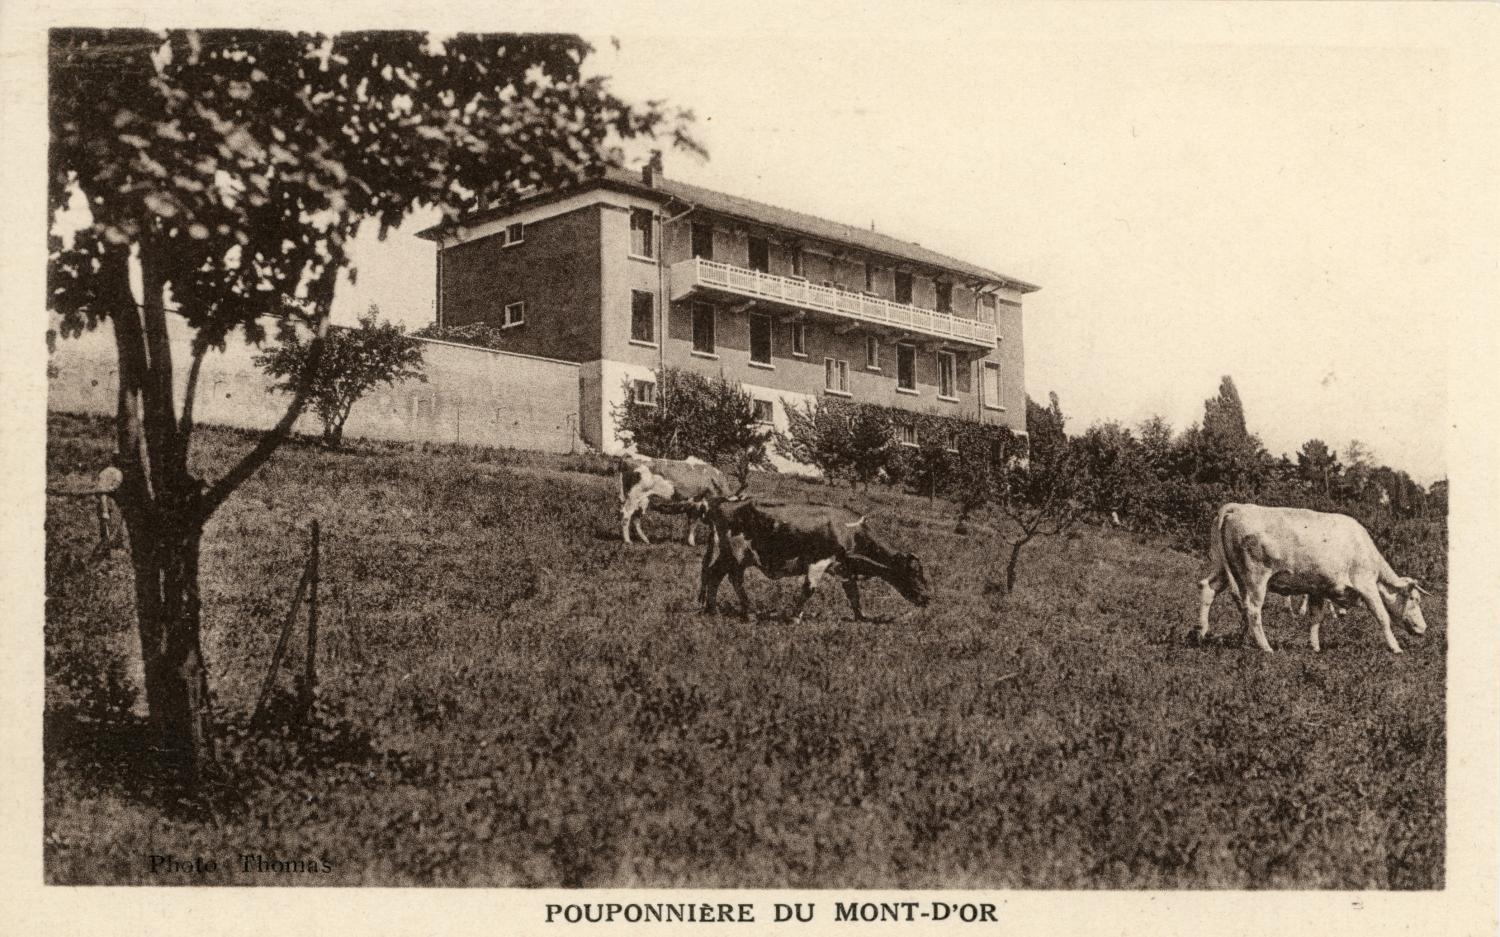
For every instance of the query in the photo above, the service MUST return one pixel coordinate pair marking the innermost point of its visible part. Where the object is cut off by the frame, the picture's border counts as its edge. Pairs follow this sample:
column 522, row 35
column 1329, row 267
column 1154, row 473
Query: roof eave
column 634, row 187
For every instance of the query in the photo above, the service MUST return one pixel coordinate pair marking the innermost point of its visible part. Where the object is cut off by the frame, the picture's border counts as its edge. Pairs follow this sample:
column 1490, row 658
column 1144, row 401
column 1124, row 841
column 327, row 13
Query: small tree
column 839, row 438
column 1318, row 464
column 693, row 415
column 1115, row 470
column 976, row 472
column 353, row 362
column 1044, row 498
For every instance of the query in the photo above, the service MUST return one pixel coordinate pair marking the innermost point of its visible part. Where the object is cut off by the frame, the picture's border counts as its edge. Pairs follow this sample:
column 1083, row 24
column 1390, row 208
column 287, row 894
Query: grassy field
column 510, row 696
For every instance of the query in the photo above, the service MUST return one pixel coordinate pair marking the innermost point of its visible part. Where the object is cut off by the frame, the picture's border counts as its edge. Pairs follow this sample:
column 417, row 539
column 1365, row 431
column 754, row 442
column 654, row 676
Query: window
column 643, row 393
column 994, row 398
column 836, row 376
column 760, row 338
column 986, row 308
column 515, row 314
column 903, row 288
column 947, row 375
column 869, row 278
column 906, row 368
column 799, row 339
column 906, row 434
column 703, row 328
column 944, row 297
column 642, row 317
column 760, row 255
column 765, row 412
column 872, row 352
column 515, row 234
column 950, row 441
column 703, row 241
column 640, row 233
column 794, row 260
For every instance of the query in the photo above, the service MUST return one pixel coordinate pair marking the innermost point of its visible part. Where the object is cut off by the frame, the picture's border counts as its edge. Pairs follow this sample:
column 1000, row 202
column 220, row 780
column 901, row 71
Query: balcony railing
column 796, row 293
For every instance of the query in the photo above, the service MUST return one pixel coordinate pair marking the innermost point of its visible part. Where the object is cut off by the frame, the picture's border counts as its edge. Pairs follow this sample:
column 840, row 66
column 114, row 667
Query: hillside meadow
column 510, row 696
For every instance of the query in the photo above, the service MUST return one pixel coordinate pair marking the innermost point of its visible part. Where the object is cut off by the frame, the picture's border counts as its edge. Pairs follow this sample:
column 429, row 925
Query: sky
column 1261, row 206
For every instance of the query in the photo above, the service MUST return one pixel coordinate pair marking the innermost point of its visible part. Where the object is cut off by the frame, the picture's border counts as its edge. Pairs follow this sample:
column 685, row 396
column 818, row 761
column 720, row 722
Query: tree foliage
column 711, row 418
column 1047, row 495
column 1224, row 414
column 478, row 334
column 1319, row 465
column 223, row 173
column 353, row 362
column 840, row 438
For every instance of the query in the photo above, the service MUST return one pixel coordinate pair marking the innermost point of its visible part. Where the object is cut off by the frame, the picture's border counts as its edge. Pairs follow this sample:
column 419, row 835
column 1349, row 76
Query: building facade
column 628, row 273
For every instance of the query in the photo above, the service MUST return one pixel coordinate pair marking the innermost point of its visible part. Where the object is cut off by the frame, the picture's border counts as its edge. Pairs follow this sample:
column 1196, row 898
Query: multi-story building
column 627, row 273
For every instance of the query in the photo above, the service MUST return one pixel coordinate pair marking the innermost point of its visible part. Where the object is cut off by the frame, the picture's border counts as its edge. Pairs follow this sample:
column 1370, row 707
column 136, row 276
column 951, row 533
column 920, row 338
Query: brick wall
column 555, row 271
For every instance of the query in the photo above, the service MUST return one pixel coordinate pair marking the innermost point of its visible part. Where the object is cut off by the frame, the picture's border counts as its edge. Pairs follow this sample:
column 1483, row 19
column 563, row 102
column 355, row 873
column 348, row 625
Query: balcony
column 796, row 294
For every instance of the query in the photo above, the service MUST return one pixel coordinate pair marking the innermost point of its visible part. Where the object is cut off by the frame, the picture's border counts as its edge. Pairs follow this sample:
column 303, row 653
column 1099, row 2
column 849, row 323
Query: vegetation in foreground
column 510, row 696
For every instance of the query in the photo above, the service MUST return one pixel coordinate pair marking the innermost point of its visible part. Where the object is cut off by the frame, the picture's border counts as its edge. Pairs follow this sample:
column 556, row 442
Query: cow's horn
column 856, row 523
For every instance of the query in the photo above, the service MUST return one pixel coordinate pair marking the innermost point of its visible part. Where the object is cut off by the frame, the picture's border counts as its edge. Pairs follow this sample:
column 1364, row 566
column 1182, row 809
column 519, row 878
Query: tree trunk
column 1010, row 567
column 164, row 553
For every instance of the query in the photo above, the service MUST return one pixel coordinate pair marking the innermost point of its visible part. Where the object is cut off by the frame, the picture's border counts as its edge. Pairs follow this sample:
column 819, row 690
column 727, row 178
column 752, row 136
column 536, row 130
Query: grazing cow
column 811, row 540
column 677, row 487
column 1301, row 610
column 1293, row 551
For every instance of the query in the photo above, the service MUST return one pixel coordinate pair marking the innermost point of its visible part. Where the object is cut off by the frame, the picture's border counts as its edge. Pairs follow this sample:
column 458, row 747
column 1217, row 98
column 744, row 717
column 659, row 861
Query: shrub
column 839, row 438
column 693, row 415
column 353, row 362
column 954, row 458
column 477, row 334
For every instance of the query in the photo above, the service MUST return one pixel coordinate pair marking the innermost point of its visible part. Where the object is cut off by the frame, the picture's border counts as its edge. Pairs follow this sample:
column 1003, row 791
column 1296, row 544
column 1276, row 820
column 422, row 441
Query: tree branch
column 130, row 351
column 272, row 438
column 189, row 395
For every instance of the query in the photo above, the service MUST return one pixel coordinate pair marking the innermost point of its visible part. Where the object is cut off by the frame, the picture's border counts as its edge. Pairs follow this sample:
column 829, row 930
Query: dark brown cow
column 670, row 486
column 809, row 540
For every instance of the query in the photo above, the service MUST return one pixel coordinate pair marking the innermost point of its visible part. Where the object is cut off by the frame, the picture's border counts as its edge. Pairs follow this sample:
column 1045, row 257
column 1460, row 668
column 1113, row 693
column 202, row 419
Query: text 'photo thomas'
column 626, row 522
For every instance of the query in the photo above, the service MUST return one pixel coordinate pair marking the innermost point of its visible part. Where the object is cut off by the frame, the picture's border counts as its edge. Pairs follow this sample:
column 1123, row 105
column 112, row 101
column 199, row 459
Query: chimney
column 651, row 173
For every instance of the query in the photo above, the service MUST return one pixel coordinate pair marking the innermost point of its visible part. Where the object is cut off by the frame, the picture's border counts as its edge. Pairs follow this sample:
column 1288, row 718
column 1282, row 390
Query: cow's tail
column 1218, row 552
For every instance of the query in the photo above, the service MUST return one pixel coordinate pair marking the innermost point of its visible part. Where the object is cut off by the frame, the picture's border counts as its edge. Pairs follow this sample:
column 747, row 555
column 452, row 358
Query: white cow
column 1301, row 610
column 1292, row 551
column 669, row 486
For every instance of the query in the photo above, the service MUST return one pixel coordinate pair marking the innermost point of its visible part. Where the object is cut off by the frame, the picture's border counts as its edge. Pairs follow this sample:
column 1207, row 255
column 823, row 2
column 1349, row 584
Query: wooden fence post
column 307, row 582
column 310, row 673
column 286, row 631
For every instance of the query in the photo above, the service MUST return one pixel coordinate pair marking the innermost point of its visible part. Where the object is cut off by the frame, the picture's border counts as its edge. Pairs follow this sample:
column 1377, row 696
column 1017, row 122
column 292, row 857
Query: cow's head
column 909, row 579
column 1404, row 602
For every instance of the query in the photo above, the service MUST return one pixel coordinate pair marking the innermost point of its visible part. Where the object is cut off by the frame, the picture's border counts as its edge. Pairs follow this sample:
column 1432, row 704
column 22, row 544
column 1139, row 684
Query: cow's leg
column 1253, row 601
column 1370, row 595
column 713, row 575
column 1208, row 589
column 851, row 591
column 1314, row 613
column 814, row 576
column 737, row 579
column 630, row 514
column 692, row 528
